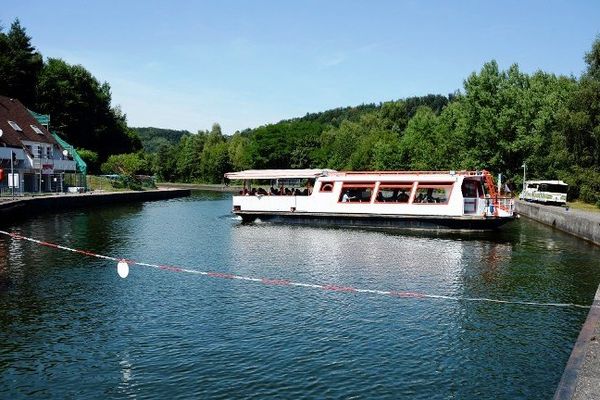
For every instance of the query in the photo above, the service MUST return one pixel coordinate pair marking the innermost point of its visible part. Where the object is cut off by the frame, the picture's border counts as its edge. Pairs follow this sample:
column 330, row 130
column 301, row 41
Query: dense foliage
column 500, row 120
column 153, row 138
column 20, row 64
column 78, row 104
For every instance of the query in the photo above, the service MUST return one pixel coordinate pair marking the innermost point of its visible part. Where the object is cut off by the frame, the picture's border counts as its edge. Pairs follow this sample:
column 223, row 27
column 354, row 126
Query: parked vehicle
column 546, row 192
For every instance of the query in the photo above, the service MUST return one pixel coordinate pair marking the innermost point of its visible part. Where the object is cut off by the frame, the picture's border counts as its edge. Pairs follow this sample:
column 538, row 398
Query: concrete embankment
column 581, row 378
column 31, row 206
column 583, row 224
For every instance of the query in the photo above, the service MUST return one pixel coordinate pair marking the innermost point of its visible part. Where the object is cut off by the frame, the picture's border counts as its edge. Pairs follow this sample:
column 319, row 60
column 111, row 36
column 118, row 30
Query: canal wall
column 583, row 224
column 25, row 207
column 581, row 378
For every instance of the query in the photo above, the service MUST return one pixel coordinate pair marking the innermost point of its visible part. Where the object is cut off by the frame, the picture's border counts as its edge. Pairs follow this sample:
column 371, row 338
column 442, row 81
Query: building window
column 15, row 126
column 36, row 129
column 433, row 194
column 356, row 193
column 393, row 193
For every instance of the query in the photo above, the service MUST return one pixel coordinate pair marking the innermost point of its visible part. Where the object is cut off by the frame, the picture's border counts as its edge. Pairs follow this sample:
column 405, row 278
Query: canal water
column 71, row 328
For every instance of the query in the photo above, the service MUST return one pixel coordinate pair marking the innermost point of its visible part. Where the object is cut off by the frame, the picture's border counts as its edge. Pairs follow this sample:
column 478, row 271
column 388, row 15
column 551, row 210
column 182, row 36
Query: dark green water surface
column 71, row 328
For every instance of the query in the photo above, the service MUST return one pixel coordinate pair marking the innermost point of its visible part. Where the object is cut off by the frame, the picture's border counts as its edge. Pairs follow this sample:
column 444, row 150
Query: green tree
column 20, row 65
column 125, row 164
column 165, row 163
column 215, row 162
column 418, row 147
column 80, row 108
column 91, row 160
column 188, row 157
column 239, row 154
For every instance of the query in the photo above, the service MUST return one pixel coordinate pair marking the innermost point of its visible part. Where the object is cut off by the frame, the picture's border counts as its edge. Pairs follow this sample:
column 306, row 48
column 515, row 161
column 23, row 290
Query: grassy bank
column 579, row 205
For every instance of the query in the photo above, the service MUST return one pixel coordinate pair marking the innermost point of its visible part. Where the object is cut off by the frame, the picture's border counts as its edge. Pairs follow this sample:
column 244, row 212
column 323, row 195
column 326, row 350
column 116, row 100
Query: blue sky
column 187, row 64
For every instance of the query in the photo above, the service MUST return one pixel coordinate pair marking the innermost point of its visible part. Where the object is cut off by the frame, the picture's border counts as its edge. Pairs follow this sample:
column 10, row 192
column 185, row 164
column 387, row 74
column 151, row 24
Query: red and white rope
column 285, row 282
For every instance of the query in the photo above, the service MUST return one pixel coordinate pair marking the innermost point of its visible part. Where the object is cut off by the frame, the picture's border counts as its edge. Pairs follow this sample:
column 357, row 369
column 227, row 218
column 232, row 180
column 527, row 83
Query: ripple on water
column 70, row 327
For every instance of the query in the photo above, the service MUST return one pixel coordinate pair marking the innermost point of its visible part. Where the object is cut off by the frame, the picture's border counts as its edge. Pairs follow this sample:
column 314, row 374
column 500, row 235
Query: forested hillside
column 153, row 138
column 499, row 120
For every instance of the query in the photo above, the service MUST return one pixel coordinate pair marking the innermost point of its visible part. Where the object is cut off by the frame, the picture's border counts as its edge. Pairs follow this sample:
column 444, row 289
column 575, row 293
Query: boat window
column 393, row 193
column 326, row 187
column 356, row 193
column 432, row 194
column 553, row 188
column 472, row 188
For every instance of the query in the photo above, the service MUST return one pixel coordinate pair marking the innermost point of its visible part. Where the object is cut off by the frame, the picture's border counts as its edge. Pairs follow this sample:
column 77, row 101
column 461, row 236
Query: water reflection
column 70, row 327
column 347, row 257
column 5, row 280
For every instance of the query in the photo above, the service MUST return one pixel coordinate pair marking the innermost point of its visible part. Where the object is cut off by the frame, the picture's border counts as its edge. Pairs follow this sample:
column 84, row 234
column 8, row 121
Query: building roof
column 13, row 110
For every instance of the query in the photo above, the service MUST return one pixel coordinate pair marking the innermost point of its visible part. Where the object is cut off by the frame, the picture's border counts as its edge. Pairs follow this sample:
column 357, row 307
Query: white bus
column 548, row 192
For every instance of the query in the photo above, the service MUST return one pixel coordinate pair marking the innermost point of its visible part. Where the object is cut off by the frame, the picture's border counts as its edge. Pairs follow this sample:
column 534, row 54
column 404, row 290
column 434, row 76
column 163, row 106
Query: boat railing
column 505, row 203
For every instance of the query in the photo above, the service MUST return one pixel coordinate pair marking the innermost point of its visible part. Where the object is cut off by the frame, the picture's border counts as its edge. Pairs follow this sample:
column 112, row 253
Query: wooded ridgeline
column 500, row 120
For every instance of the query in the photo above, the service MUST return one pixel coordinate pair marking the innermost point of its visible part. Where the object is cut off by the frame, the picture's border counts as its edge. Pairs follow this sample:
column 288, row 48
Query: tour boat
column 380, row 199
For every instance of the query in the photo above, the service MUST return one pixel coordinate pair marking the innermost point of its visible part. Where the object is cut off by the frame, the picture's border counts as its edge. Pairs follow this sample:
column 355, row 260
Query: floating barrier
column 124, row 263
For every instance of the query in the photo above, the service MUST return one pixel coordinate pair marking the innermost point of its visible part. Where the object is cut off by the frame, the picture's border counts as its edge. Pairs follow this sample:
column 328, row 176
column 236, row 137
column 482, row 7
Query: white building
column 38, row 162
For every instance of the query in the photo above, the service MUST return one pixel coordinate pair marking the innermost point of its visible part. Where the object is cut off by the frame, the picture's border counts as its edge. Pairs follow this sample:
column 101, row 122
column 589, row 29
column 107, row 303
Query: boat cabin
column 420, row 193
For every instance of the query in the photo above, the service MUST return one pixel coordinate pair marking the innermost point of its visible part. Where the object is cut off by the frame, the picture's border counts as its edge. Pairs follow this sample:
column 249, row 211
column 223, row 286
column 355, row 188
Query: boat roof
column 549, row 182
column 426, row 173
column 352, row 175
column 278, row 173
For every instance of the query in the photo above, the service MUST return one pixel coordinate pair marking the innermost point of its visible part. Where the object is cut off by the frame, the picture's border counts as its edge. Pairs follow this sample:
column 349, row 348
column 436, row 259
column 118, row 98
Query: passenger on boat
column 309, row 186
column 274, row 191
column 262, row 191
column 429, row 198
column 403, row 197
column 393, row 198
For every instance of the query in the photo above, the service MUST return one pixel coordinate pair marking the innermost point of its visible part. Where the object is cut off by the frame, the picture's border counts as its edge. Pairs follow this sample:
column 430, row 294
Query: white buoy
column 123, row 269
